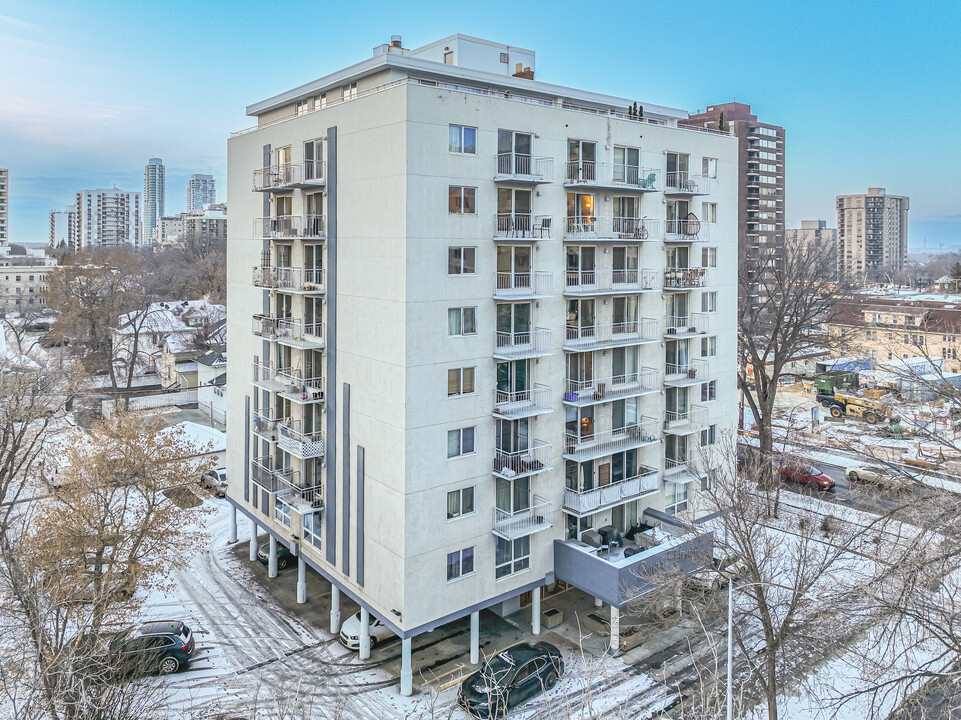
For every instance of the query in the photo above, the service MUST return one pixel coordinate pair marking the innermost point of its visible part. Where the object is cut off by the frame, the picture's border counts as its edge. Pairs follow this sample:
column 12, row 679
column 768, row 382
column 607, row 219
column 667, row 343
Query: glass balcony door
column 580, row 367
column 582, row 158
column 627, row 162
column 512, row 435
column 676, row 400
column 514, row 151
column 514, row 318
column 514, row 495
column 624, row 362
column 625, row 258
column 676, row 352
column 513, row 376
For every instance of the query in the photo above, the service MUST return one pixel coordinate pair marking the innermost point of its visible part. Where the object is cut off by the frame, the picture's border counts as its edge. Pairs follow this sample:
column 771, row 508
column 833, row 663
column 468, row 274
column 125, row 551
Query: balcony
column 589, row 447
column 690, row 278
column 623, row 178
column 265, row 377
column 293, row 333
column 264, row 426
column 304, row 499
column 685, row 422
column 538, row 342
column 580, row 393
column 291, row 227
column 290, row 279
column 522, row 403
column 522, row 226
column 523, row 285
column 611, row 228
column 522, row 463
column 620, row 334
column 526, row 169
column 679, row 472
column 684, row 374
column 686, row 183
column 287, row 176
column 609, row 282
column 289, row 383
column 517, row 524
column 273, row 479
column 686, row 231
column 299, row 444
column 685, row 326
column 585, row 502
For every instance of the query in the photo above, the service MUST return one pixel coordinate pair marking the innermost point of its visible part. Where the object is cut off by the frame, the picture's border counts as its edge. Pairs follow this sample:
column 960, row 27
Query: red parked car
column 806, row 475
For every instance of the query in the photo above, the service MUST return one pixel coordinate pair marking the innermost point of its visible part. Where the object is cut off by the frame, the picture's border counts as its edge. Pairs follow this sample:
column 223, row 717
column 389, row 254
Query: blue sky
column 868, row 93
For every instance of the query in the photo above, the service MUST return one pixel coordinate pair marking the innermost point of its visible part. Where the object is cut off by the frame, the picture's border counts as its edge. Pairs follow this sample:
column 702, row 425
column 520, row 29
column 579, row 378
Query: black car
column 510, row 678
column 161, row 647
column 285, row 558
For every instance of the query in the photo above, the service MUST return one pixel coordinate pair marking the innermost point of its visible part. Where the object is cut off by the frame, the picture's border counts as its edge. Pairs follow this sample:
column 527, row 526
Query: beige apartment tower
column 872, row 235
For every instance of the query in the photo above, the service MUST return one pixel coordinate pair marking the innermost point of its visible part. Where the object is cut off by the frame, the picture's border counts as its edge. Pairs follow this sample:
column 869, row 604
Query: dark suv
column 161, row 647
column 510, row 678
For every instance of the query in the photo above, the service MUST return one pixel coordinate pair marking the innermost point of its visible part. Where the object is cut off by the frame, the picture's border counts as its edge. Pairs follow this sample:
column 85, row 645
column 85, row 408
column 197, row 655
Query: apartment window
column 282, row 511
column 312, row 529
column 709, row 391
column 461, row 260
column 349, row 92
column 709, row 167
column 462, row 140
column 675, row 497
column 709, row 435
column 460, row 381
column 461, row 200
column 709, row 346
column 907, row 339
column 460, row 442
column 460, row 503
column 709, row 212
column 460, row 563
column 870, row 335
column 18, row 278
column 709, row 257
column 30, row 278
column 461, row 321
column 709, row 301
column 908, row 319
column 511, row 556
column 891, row 336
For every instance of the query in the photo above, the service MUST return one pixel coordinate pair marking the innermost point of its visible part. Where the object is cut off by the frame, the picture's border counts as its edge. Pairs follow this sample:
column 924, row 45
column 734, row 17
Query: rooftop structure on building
column 487, row 330
column 872, row 239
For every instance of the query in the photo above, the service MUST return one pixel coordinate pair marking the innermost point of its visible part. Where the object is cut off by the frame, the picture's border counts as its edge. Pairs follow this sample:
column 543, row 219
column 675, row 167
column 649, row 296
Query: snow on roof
column 181, row 342
column 173, row 316
column 200, row 438
column 186, row 366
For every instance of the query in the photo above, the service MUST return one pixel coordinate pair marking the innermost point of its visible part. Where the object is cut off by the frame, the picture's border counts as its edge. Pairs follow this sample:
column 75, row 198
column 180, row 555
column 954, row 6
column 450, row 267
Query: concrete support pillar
column 253, row 540
column 364, row 633
column 406, row 673
column 598, row 602
column 615, row 629
column 301, row 580
column 475, row 638
column 232, row 537
column 334, row 610
column 536, row 611
column 272, row 558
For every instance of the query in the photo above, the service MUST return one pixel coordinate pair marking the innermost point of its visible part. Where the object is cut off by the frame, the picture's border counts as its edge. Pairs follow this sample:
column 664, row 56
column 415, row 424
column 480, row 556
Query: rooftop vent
column 395, row 40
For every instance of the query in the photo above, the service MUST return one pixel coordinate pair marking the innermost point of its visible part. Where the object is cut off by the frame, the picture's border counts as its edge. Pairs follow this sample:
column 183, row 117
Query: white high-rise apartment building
column 872, row 234
column 484, row 334
column 4, row 206
column 154, row 189
column 201, row 191
column 107, row 218
column 63, row 226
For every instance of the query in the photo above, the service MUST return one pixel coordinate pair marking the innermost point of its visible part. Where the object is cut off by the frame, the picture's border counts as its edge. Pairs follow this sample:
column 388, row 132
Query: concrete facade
column 107, row 218
column 201, row 191
column 872, row 234
column 23, row 280
column 452, row 347
column 812, row 234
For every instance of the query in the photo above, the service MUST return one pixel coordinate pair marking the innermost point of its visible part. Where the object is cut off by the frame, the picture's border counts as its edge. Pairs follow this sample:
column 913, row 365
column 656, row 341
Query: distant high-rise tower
column 201, row 191
column 4, row 204
column 63, row 226
column 153, row 196
column 107, row 218
column 872, row 233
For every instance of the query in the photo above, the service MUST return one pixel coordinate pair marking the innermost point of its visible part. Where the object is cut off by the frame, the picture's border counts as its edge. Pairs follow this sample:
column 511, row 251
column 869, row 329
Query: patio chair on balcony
column 648, row 184
column 544, row 229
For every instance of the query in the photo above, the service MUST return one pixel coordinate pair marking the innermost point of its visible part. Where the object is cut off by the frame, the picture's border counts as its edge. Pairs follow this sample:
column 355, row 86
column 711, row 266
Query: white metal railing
column 516, row 165
column 585, row 501
column 682, row 182
column 282, row 175
column 693, row 369
column 288, row 329
column 588, row 282
column 685, row 230
column 264, row 373
column 518, row 523
column 515, row 345
column 273, row 479
column 695, row 415
column 607, row 441
column 522, row 403
column 521, row 226
column 597, row 336
column 523, row 284
column 674, row 467
column 614, row 228
column 264, row 425
column 612, row 387
column 632, row 228
column 300, row 444
column 289, row 278
column 304, row 389
column 629, row 177
column 315, row 171
column 535, row 459
column 290, row 226
column 681, row 324
column 685, row 278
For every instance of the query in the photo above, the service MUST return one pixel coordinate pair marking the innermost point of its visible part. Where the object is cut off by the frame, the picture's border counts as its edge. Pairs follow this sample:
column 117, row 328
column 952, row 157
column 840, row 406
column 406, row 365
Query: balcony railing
column 685, row 278
column 519, row 463
column 693, row 324
column 273, row 479
column 611, row 175
column 611, row 228
column 521, row 226
column 695, row 369
column 295, row 279
column 685, row 421
column 592, row 282
column 299, row 389
column 628, row 332
column 685, row 230
column 615, row 387
column 284, row 175
column 510, row 285
column 290, row 227
column 265, row 376
column 517, row 524
column 265, row 426
column 304, row 499
column 679, row 471
column 518, row 345
column 296, row 333
column 686, row 183
column 522, row 403
column 583, row 502
column 300, row 444
column 586, row 447
column 525, row 168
